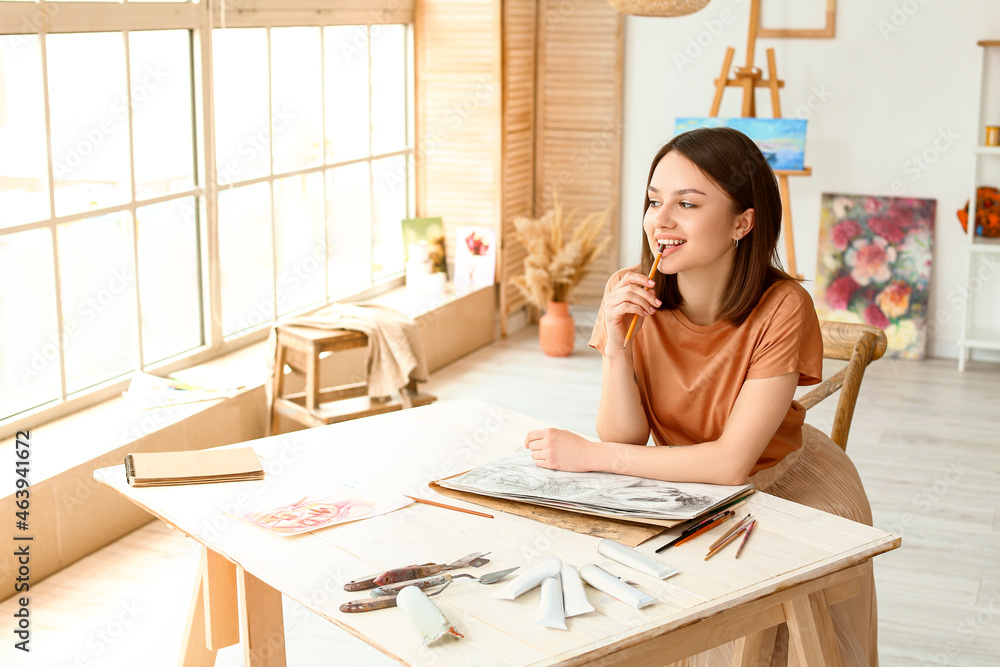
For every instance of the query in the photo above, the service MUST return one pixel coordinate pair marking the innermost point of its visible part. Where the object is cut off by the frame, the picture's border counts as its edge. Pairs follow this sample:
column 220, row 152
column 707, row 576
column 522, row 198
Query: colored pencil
column 732, row 530
column 746, row 536
column 635, row 317
column 448, row 507
column 722, row 545
column 705, row 529
column 692, row 529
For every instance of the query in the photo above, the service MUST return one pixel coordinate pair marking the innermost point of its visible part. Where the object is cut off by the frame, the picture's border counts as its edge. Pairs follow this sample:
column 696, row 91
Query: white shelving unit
column 981, row 298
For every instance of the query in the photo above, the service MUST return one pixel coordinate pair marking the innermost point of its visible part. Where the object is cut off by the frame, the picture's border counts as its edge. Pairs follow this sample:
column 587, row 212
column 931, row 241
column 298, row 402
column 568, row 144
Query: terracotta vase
column 556, row 331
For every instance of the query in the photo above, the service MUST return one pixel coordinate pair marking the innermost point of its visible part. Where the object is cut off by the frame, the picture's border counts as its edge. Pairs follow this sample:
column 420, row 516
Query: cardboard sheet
column 627, row 532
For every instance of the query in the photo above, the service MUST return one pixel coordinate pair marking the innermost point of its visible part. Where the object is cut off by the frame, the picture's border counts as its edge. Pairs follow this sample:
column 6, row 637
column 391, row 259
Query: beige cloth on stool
column 395, row 349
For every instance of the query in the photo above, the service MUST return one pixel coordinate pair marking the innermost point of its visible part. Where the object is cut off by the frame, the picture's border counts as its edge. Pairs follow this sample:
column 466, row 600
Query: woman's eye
column 653, row 203
column 686, row 204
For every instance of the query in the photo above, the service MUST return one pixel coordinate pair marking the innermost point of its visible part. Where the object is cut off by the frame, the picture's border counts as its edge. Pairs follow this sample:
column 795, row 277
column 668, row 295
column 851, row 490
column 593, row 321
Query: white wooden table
column 797, row 562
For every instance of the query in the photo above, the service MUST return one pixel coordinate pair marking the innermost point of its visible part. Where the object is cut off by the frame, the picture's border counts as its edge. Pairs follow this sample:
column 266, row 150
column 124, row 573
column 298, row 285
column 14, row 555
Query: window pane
column 296, row 98
column 89, row 115
column 388, row 88
column 245, row 255
column 168, row 279
column 242, row 128
column 300, row 241
column 162, row 112
column 24, row 193
column 29, row 362
column 389, row 186
column 346, row 85
column 348, row 223
column 98, row 299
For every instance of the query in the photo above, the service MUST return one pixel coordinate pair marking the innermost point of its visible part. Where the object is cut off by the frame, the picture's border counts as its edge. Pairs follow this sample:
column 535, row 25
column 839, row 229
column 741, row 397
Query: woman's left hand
column 557, row 449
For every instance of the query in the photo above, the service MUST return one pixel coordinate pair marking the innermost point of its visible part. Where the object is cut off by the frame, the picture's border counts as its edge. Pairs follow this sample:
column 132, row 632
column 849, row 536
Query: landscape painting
column 781, row 140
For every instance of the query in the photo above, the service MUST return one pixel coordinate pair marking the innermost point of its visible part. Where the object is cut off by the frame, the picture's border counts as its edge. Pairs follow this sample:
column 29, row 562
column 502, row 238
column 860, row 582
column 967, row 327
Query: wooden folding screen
column 512, row 97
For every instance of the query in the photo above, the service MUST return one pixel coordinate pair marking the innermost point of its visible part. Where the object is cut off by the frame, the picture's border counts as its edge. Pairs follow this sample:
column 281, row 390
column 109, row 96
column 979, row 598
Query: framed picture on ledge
column 475, row 257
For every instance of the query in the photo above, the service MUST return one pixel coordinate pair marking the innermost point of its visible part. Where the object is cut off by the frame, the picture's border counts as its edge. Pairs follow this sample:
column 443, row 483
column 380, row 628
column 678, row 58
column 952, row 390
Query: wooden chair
column 858, row 345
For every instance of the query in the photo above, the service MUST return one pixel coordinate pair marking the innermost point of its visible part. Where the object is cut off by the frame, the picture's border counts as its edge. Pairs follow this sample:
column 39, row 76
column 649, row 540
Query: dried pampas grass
column 558, row 252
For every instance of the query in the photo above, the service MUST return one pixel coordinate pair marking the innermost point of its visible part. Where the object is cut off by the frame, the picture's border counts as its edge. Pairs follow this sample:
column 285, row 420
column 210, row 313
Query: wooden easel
column 749, row 79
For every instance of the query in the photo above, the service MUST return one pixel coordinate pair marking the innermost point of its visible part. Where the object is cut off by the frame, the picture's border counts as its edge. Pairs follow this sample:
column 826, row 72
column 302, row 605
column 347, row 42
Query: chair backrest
column 858, row 345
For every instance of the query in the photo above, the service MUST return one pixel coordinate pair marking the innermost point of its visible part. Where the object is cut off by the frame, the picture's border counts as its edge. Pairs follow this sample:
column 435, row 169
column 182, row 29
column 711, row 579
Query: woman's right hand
column 626, row 299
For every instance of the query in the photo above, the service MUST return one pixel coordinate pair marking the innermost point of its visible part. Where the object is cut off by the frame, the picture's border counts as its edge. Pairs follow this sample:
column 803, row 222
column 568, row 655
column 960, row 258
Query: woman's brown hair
column 734, row 162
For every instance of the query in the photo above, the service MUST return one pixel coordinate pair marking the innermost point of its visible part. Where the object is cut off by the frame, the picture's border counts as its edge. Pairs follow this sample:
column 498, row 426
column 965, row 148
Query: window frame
column 43, row 18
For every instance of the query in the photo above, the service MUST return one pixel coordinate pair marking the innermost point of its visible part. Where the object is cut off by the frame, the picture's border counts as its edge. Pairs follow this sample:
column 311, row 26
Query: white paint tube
column 575, row 600
column 551, row 606
column 428, row 619
column 634, row 559
column 616, row 588
column 529, row 579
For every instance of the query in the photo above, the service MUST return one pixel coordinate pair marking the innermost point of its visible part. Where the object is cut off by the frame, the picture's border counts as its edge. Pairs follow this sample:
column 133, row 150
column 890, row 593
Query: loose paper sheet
column 294, row 514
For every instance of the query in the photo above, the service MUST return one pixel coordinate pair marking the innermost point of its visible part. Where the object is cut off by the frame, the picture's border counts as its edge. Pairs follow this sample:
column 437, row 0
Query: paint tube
column 634, row 559
column 575, row 600
column 616, row 588
column 427, row 618
column 551, row 605
column 529, row 579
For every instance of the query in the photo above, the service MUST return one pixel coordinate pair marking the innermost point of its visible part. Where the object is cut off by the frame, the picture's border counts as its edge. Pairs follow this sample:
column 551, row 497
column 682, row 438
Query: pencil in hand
column 635, row 317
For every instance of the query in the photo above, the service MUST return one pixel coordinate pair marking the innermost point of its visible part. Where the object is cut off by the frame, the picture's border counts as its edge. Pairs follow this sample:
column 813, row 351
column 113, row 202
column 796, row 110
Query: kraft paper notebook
column 207, row 466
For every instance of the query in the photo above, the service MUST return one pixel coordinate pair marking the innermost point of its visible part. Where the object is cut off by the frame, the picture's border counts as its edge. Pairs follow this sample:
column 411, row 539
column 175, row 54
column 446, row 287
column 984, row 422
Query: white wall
column 898, row 82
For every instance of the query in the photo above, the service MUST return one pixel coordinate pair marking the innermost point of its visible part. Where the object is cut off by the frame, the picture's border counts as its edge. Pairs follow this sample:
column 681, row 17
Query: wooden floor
column 926, row 441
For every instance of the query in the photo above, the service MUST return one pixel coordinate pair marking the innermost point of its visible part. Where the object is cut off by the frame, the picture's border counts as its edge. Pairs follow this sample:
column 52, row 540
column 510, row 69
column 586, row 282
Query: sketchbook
column 516, row 477
column 207, row 466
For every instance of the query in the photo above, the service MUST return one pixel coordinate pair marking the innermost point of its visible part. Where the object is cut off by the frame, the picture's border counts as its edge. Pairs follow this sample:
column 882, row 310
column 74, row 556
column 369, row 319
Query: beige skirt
column 819, row 474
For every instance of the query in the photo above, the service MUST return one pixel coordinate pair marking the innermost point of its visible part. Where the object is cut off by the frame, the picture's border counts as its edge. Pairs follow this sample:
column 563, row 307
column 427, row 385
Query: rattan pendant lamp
column 658, row 7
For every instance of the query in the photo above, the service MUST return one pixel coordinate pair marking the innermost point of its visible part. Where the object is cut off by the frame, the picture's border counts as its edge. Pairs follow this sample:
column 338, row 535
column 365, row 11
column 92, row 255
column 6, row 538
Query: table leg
column 194, row 648
column 222, row 627
column 755, row 649
column 810, row 631
column 260, row 622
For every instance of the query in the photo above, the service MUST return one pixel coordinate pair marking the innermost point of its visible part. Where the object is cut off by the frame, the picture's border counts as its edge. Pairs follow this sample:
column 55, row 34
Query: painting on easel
column 875, row 266
column 781, row 140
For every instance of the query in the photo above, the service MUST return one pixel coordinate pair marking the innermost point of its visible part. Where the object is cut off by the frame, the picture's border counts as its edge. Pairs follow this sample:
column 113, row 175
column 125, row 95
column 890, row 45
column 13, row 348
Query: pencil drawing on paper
column 517, row 477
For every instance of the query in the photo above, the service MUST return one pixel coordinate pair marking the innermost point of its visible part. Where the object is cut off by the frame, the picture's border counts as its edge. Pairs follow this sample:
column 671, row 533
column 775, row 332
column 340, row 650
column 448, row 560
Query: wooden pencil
column 635, row 317
column 746, row 536
column 448, row 507
column 732, row 530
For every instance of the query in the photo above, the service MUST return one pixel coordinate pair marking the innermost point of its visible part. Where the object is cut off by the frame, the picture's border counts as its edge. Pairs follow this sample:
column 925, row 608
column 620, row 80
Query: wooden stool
column 300, row 348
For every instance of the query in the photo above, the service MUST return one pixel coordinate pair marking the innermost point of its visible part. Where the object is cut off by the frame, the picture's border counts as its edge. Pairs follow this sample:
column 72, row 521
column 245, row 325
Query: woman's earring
column 736, row 242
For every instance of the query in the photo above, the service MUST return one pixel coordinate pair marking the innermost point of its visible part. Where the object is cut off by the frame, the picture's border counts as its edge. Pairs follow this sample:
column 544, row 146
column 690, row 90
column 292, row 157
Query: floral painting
column 875, row 266
column 475, row 257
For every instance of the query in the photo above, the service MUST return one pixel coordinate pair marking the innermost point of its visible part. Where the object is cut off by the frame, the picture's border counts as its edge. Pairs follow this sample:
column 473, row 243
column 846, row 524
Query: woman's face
column 692, row 214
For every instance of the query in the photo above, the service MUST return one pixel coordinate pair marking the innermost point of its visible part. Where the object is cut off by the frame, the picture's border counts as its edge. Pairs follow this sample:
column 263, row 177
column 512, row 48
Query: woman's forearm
column 620, row 417
column 707, row 463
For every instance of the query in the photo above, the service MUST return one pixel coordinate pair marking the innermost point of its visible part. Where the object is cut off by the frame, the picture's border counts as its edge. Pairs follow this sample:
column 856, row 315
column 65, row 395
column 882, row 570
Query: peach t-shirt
column 689, row 375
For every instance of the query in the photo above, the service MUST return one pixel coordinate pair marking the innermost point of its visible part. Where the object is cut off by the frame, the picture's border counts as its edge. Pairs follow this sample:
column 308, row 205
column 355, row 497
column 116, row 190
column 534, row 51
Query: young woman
column 724, row 337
